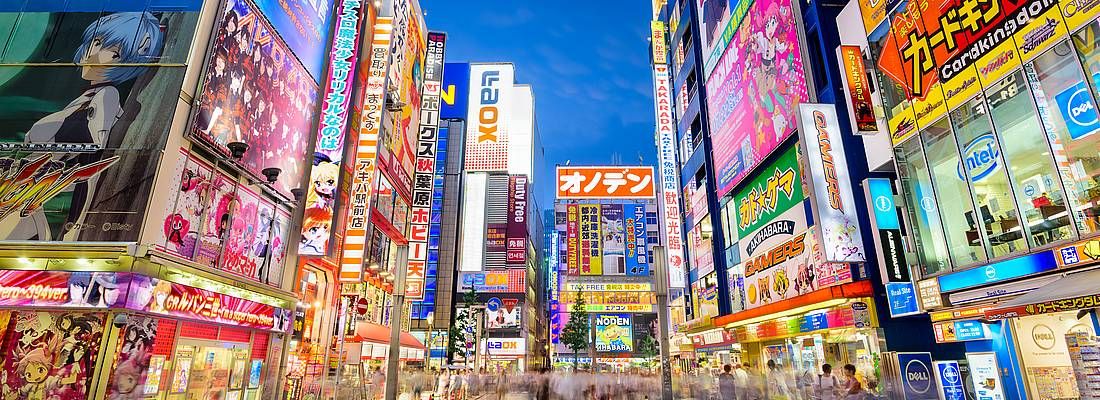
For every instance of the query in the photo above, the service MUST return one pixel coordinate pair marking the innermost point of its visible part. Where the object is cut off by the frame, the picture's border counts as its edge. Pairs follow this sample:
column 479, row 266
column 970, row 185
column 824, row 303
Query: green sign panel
column 775, row 189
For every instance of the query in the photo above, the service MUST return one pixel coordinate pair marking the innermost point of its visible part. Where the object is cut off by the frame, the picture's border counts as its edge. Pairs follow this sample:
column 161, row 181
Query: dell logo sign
column 1078, row 110
column 980, row 158
column 1081, row 110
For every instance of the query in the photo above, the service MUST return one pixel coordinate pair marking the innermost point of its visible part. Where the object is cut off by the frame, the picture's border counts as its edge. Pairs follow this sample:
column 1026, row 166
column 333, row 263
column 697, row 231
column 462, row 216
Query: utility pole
column 396, row 316
column 661, row 275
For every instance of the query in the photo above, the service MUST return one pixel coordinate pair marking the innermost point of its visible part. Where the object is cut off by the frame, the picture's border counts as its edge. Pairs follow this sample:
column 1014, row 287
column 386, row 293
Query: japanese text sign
column 606, row 183
column 669, row 201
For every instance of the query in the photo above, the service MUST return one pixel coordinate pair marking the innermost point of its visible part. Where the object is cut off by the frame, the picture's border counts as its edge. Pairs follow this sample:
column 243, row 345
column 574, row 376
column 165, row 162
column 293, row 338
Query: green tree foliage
column 575, row 333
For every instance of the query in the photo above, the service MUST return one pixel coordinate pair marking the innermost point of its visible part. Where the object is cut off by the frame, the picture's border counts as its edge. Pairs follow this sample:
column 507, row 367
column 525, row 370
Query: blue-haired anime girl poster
column 84, row 112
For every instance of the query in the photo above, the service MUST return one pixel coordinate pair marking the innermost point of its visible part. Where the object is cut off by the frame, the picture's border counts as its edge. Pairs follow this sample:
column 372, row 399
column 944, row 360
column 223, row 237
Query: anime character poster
column 256, row 92
column 304, row 25
column 614, row 239
column 63, row 288
column 127, row 381
column 79, row 144
column 50, row 355
column 213, row 219
column 755, row 88
column 614, row 333
column 407, row 57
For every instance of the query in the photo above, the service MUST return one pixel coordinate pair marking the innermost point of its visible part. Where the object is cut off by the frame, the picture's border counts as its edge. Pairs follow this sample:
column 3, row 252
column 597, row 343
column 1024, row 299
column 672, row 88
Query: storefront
column 836, row 325
column 310, row 341
column 504, row 355
column 174, row 336
column 716, row 348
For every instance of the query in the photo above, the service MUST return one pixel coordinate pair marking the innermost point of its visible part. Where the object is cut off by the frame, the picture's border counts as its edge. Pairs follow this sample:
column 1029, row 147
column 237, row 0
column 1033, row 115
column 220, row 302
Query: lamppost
column 431, row 322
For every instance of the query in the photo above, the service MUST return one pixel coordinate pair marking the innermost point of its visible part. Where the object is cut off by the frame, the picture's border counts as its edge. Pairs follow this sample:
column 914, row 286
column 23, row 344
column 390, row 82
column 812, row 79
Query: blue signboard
column 1000, row 271
column 1078, row 110
column 950, row 379
column 813, row 322
column 916, row 376
column 902, row 298
column 454, row 93
column 304, row 26
column 882, row 197
column 970, row 330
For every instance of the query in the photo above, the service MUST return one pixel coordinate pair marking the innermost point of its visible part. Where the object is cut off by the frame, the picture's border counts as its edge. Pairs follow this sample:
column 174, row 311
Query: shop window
column 1081, row 148
column 952, row 195
column 384, row 198
column 916, row 187
column 1035, row 182
column 982, row 166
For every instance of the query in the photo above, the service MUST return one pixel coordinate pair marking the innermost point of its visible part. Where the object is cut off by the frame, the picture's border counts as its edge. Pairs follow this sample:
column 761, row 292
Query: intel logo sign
column 980, row 157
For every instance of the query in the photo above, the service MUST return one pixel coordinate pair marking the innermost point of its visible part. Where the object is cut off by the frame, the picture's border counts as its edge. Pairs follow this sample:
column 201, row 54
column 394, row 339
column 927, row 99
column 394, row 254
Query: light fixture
column 83, row 261
column 794, row 311
column 25, row 260
column 317, row 304
column 374, row 266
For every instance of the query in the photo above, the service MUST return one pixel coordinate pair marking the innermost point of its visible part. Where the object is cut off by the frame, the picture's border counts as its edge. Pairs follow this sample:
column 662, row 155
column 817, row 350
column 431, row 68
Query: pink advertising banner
column 172, row 299
column 754, row 91
column 63, row 288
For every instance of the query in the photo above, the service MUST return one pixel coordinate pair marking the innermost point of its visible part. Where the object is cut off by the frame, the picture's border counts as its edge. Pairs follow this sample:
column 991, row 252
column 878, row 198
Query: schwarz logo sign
column 981, row 158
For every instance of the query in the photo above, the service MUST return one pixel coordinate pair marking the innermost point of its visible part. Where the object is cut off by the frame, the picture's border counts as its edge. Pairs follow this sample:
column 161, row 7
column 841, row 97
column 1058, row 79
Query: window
column 1038, row 190
column 952, row 195
column 1080, row 155
column 916, row 187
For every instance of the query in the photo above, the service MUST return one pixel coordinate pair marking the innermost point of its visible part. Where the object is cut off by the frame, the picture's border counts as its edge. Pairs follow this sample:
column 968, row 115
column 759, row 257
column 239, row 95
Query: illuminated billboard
column 636, row 238
column 754, row 90
column 834, row 203
column 614, row 333
column 516, row 232
column 304, row 25
column 487, row 122
column 769, row 209
column 454, row 95
column 606, row 182
column 669, row 202
column 790, row 269
column 591, row 260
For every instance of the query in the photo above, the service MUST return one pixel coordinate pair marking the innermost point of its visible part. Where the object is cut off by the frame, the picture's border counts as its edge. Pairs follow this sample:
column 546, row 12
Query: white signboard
column 670, row 178
column 834, row 204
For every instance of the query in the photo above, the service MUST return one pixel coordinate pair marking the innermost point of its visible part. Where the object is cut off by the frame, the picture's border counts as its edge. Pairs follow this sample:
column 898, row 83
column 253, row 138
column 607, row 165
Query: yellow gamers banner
column 943, row 52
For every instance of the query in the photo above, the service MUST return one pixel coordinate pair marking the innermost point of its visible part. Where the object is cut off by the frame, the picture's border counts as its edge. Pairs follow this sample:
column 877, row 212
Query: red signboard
column 851, row 57
column 517, row 220
column 173, row 299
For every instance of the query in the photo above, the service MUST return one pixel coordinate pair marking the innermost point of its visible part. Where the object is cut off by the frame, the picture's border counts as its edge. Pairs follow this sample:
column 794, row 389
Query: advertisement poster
column 611, row 182
column 80, row 143
column 669, row 202
column 132, row 368
column 407, row 56
column 591, row 262
column 63, row 288
column 985, row 376
column 496, row 236
column 835, row 208
column 328, row 155
column 572, row 239
column 636, row 251
column 614, row 333
column 454, row 95
column 502, row 313
column 793, row 268
column 256, row 92
column 755, row 88
column 916, row 376
column 950, row 379
column 859, row 94
column 166, row 298
column 49, row 355
column 614, row 239
column 304, row 25
column 213, row 219
column 517, row 220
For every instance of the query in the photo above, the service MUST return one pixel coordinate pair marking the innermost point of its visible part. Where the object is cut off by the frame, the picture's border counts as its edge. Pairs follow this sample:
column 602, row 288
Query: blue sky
column 590, row 74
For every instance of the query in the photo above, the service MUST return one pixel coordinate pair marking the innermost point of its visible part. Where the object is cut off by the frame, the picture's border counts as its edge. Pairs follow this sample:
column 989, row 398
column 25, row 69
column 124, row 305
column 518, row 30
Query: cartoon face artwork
column 51, row 355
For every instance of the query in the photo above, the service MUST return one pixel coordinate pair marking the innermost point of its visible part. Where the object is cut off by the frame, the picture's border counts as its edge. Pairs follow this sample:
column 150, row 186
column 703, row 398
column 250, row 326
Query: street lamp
column 431, row 321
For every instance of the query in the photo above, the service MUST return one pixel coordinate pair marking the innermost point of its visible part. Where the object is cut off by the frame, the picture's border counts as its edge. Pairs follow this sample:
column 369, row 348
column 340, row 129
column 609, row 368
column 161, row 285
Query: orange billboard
column 606, row 182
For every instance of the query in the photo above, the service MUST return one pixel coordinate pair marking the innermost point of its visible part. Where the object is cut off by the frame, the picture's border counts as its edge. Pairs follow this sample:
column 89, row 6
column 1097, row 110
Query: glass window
column 1079, row 157
column 916, row 187
column 982, row 166
column 953, row 198
column 1038, row 190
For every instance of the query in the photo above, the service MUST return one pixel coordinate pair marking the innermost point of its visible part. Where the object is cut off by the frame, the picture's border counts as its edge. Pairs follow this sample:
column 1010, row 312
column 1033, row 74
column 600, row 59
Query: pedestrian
column 442, row 386
column 776, row 382
column 502, row 385
column 727, row 384
column 852, row 388
column 826, row 384
column 741, row 382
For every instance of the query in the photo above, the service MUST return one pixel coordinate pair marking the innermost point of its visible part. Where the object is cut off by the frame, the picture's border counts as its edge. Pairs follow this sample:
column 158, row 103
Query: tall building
column 781, row 255
column 494, row 220
column 605, row 225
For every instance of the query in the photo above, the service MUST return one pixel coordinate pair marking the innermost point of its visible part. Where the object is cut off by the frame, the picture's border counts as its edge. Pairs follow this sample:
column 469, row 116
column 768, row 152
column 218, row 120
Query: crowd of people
column 734, row 382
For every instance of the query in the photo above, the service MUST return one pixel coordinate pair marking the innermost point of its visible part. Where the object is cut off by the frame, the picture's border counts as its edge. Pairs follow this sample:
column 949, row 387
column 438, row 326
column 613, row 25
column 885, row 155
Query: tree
column 575, row 333
column 647, row 348
column 463, row 331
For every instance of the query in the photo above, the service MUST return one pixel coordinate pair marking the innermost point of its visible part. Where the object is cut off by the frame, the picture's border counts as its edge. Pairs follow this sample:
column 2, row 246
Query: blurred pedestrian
column 776, row 382
column 727, row 386
column 852, row 388
column 826, row 385
column 741, row 381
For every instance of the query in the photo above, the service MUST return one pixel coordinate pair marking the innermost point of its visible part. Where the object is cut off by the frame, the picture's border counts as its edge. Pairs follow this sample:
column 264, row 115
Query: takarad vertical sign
column 670, row 181
column 424, row 178
column 366, row 150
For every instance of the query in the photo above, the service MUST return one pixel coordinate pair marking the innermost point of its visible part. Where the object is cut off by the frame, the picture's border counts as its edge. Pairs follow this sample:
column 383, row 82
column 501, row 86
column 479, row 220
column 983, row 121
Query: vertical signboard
column 657, row 38
column 636, row 252
column 488, row 116
column 859, row 93
column 366, row 149
column 572, row 239
column 517, row 220
column 916, row 376
column 590, row 261
column 834, row 204
column 329, row 153
column 424, row 175
column 455, row 92
column 985, row 376
column 891, row 254
column 950, row 379
column 613, row 236
column 670, row 177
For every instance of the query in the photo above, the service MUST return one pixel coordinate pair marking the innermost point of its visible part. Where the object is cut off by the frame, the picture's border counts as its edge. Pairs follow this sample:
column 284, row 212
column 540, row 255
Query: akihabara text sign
column 606, row 183
column 670, row 177
column 366, row 152
column 834, row 204
column 420, row 218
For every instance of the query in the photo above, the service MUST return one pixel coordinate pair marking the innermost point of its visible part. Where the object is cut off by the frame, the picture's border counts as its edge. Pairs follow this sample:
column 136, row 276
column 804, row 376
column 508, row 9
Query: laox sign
column 488, row 113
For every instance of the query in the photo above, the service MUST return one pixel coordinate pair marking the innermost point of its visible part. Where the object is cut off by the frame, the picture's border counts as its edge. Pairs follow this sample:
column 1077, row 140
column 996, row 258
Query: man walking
column 727, row 386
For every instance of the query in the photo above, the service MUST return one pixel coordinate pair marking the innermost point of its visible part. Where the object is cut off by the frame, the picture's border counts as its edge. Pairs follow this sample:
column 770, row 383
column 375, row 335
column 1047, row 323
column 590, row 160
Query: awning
column 374, row 333
column 1076, row 291
column 846, row 291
